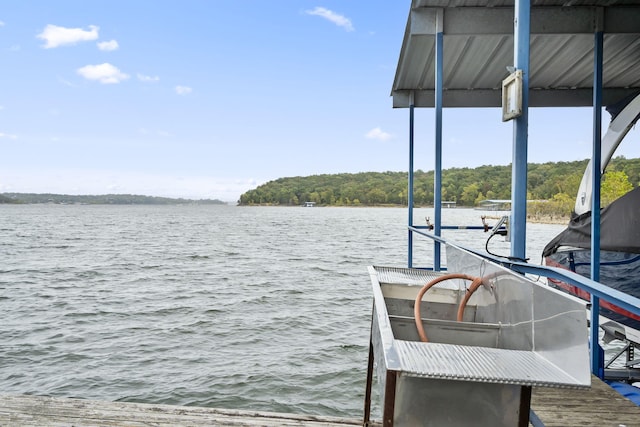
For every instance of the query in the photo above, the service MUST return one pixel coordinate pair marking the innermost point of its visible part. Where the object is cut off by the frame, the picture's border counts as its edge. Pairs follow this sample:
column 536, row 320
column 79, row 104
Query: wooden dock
column 61, row 412
column 598, row 406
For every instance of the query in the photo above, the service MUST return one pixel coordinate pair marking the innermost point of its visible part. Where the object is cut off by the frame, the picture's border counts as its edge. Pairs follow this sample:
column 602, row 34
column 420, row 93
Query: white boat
column 619, row 236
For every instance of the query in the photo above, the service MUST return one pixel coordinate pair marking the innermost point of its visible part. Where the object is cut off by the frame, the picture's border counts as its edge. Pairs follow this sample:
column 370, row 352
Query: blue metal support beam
column 521, row 41
column 410, row 185
column 597, row 365
column 437, row 176
column 614, row 296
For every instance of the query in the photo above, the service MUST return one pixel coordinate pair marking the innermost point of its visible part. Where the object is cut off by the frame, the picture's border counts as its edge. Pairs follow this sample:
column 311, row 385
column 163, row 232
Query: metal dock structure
column 508, row 54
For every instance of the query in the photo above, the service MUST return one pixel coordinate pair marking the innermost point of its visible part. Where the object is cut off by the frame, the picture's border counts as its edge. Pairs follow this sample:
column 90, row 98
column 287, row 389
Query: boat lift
column 512, row 54
column 564, row 36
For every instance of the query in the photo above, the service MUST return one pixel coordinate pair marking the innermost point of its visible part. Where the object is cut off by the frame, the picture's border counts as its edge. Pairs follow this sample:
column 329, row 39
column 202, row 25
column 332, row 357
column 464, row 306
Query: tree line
column 552, row 181
column 105, row 199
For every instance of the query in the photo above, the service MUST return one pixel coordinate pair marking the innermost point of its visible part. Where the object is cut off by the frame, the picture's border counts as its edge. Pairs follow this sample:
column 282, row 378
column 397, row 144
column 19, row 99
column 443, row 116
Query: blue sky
column 210, row 98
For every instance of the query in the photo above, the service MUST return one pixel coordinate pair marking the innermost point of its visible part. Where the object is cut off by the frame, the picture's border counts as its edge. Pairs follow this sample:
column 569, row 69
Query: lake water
column 233, row 307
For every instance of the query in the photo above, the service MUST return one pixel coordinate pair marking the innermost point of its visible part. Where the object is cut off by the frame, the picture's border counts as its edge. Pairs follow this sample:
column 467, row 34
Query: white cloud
column 15, row 48
column 8, row 136
column 379, row 134
column 183, row 90
column 339, row 20
column 148, row 79
column 104, row 73
column 55, row 36
column 108, row 46
column 1, row 24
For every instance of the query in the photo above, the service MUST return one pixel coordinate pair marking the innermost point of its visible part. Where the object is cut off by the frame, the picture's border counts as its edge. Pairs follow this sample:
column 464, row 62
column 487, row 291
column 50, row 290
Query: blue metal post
column 410, row 184
column 522, row 18
column 437, row 175
column 596, row 161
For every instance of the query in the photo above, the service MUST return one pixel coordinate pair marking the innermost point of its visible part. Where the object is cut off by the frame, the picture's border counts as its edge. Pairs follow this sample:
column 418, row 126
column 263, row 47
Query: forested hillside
column 556, row 181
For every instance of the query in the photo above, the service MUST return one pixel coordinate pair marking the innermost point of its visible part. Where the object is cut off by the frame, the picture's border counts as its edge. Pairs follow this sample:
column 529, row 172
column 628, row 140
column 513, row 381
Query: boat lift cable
column 476, row 282
column 509, row 257
column 501, row 228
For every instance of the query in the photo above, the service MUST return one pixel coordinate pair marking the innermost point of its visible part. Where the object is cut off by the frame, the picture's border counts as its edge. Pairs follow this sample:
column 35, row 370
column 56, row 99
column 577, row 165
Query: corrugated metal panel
column 481, row 364
column 391, row 275
column 509, row 3
column 478, row 48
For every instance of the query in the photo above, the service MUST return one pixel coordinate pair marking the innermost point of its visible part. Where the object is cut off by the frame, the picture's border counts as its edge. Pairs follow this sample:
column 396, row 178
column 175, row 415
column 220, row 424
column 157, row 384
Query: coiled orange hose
column 475, row 284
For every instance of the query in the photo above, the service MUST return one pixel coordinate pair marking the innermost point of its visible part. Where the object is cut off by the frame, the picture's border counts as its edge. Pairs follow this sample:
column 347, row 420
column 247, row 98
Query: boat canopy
column 624, row 115
column 619, row 228
column 620, row 221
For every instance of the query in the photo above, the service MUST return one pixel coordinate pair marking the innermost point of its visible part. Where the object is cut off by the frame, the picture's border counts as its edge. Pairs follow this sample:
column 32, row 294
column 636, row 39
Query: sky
column 211, row 98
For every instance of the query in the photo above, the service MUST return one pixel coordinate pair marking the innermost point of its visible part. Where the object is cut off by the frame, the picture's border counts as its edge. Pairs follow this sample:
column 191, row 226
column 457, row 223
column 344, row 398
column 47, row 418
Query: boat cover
column 619, row 228
column 624, row 115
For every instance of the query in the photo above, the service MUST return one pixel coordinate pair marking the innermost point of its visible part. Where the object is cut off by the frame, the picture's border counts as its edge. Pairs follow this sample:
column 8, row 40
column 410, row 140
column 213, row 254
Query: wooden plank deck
column 58, row 412
column 598, row 406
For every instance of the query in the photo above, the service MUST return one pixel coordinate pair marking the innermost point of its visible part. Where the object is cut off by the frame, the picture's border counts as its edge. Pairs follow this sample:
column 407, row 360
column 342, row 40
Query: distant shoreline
column 103, row 199
column 549, row 220
column 533, row 219
column 129, row 199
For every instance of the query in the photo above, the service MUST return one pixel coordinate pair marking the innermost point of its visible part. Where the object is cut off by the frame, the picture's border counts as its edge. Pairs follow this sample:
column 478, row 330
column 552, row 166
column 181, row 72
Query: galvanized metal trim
column 425, row 21
column 481, row 364
column 397, row 275
column 538, row 97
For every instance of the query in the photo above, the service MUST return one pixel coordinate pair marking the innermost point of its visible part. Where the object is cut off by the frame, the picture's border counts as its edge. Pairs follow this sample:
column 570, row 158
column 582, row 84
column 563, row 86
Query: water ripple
column 247, row 308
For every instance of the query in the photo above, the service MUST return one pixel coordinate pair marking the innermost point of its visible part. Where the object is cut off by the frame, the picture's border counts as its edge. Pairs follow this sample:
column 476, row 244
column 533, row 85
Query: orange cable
column 476, row 282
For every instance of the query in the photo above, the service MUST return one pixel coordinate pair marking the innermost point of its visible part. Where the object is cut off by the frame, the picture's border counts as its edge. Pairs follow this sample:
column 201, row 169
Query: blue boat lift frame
column 596, row 289
column 522, row 14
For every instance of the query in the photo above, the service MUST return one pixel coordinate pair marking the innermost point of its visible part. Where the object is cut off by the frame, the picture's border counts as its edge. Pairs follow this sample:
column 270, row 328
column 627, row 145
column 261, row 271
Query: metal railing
column 597, row 290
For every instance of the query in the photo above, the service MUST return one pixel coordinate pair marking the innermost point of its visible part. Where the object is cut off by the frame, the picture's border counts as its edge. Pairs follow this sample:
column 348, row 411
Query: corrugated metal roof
column 478, row 48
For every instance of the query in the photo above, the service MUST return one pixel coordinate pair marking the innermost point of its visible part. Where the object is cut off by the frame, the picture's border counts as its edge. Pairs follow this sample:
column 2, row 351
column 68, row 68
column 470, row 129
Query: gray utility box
column 515, row 334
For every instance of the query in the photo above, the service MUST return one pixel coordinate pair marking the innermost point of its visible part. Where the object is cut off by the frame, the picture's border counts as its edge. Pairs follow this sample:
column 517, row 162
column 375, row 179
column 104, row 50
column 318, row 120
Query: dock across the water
column 598, row 406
